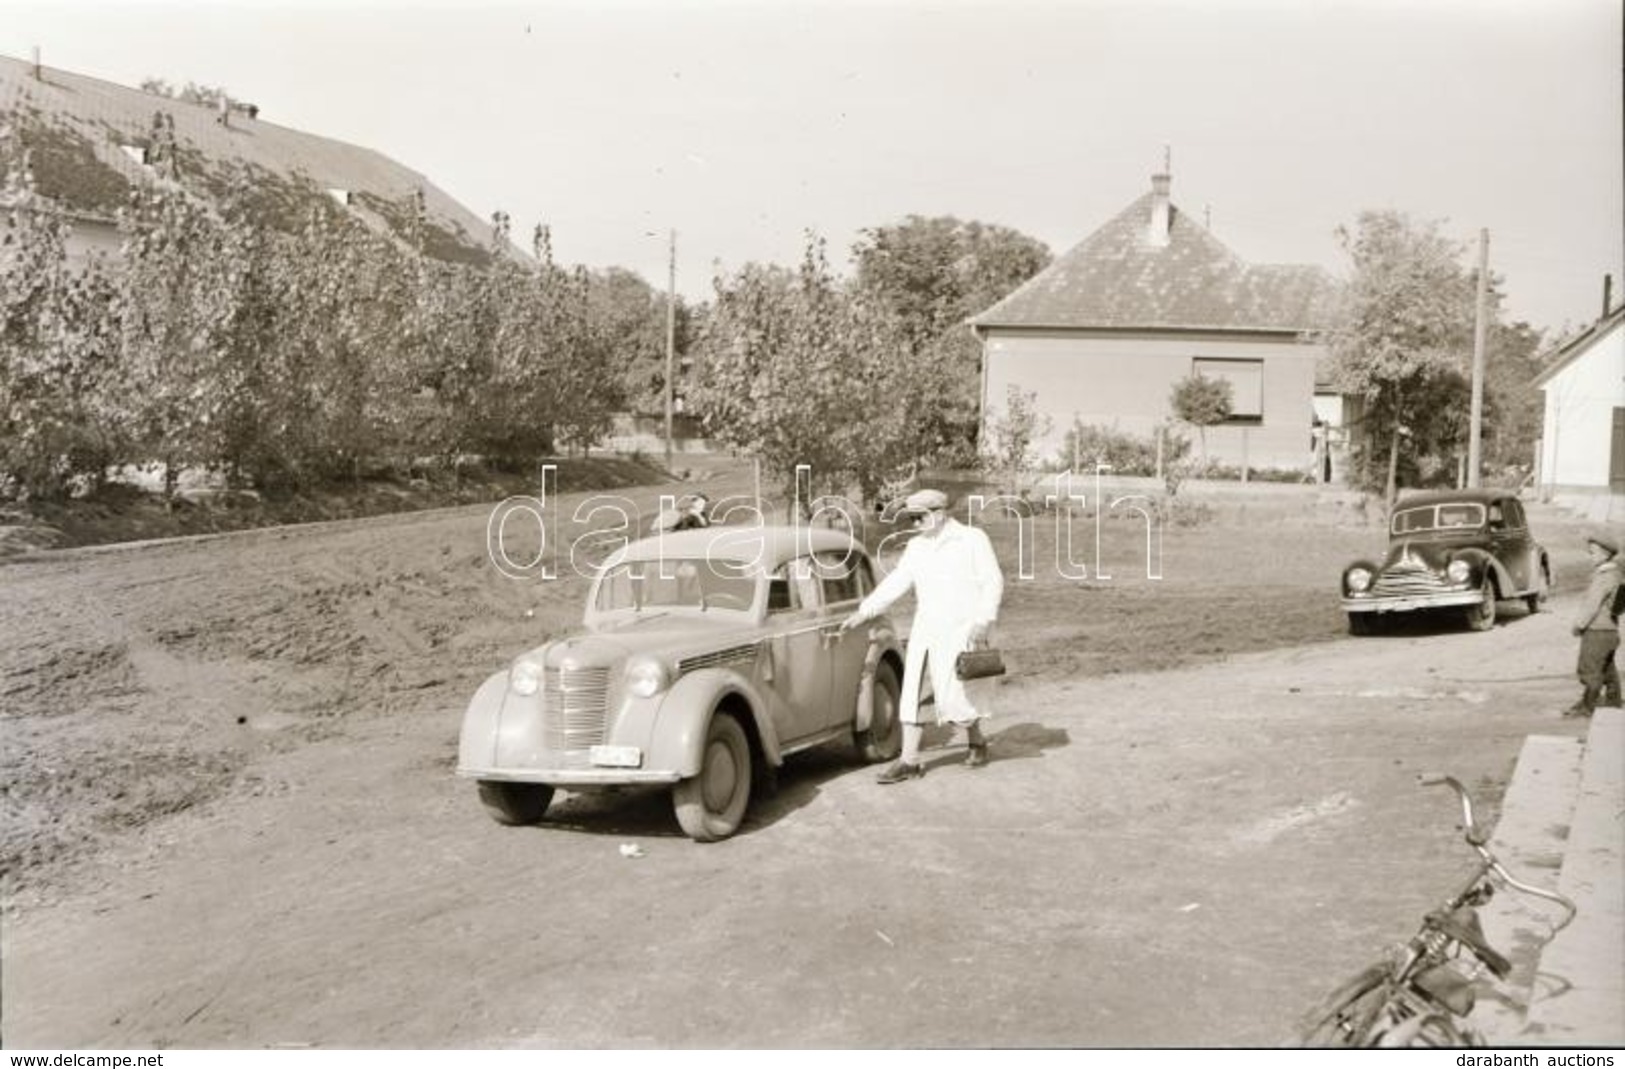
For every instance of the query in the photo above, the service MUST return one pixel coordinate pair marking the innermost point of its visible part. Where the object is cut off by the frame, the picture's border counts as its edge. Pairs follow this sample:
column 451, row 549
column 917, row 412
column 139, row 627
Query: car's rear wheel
column 1543, row 590
column 1362, row 623
column 515, row 803
column 1481, row 617
column 711, row 805
column 883, row 738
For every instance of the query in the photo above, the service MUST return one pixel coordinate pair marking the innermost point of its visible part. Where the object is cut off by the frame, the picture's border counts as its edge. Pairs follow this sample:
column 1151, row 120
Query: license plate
column 616, row 756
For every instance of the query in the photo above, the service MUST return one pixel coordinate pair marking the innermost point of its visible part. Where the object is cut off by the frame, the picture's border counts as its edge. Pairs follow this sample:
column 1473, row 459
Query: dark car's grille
column 1408, row 579
column 733, row 655
column 575, row 704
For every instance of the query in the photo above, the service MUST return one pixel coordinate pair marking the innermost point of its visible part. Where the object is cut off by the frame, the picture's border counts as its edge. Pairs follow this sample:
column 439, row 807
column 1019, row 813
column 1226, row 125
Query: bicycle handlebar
column 1477, row 838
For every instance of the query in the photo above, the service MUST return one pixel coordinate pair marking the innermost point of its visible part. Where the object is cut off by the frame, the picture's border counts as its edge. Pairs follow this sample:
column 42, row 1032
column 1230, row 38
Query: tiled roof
column 1116, row 278
column 83, row 124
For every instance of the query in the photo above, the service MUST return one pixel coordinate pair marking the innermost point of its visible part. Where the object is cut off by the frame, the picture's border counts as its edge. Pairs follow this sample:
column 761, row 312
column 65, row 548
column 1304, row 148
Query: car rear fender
column 883, row 648
column 678, row 742
column 477, row 741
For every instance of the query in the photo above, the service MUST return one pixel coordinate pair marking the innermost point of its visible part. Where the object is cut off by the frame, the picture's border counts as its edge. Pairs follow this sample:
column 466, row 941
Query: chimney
column 37, row 76
column 1157, row 232
column 1607, row 295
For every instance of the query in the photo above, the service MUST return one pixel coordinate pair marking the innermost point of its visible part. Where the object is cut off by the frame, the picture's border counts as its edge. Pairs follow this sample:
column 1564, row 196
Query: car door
column 1511, row 544
column 844, row 578
column 797, row 645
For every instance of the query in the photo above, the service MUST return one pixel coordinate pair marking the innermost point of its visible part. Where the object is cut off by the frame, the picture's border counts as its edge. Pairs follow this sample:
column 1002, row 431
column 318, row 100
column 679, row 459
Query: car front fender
column 477, row 742
column 677, row 741
column 1486, row 564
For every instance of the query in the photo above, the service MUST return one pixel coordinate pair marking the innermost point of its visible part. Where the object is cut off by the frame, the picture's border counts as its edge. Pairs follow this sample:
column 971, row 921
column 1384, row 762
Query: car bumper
column 573, row 777
column 1413, row 602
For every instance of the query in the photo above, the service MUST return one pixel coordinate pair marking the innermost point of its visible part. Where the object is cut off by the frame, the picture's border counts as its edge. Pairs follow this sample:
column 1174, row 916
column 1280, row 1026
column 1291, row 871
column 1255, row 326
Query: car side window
column 838, row 574
column 780, row 597
column 804, row 582
column 1514, row 515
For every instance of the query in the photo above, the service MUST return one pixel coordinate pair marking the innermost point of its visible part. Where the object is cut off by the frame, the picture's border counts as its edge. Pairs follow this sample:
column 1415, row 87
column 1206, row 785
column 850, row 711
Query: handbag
column 979, row 664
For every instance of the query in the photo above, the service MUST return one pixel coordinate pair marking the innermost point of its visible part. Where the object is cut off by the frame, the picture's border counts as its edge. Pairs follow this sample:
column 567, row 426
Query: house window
column 1246, row 379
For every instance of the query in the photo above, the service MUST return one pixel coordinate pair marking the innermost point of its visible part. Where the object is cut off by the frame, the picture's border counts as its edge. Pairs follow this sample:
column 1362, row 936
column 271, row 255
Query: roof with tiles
column 1119, row 278
column 85, row 137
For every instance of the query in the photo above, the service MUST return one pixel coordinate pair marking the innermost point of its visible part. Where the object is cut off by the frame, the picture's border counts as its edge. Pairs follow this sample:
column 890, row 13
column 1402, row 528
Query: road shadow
column 646, row 812
column 1426, row 623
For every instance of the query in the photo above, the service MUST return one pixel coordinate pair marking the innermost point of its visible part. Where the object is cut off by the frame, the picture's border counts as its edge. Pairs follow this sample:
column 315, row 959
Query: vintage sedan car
column 1461, row 549
column 705, row 654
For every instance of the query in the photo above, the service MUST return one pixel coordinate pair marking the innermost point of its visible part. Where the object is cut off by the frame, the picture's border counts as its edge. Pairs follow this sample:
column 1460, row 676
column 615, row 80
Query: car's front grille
column 1407, row 579
column 575, row 704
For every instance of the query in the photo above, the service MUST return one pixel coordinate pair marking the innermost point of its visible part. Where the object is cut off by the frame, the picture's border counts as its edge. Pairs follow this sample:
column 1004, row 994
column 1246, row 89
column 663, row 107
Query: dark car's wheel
column 711, row 805
column 1481, row 617
column 1362, row 623
column 1543, row 590
column 515, row 803
column 883, row 738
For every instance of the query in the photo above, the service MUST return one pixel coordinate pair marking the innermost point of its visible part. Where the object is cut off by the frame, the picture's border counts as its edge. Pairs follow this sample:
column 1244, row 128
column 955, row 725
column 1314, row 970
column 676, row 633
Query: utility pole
column 1475, row 432
column 671, row 336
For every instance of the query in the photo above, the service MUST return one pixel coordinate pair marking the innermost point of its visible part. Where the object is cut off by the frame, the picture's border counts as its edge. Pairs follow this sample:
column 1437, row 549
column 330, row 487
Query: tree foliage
column 1404, row 342
column 799, row 368
column 934, row 274
column 1202, row 402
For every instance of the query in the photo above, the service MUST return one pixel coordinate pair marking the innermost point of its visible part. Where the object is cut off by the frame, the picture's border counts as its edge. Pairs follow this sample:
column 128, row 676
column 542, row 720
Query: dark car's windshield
column 677, row 583
column 1449, row 517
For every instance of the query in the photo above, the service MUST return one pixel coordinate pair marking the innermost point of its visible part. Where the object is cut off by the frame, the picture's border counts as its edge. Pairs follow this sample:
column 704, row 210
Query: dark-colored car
column 1450, row 549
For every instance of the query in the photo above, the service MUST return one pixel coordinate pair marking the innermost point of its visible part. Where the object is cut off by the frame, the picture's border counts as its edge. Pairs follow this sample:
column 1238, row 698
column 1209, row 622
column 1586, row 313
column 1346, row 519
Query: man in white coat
column 957, row 588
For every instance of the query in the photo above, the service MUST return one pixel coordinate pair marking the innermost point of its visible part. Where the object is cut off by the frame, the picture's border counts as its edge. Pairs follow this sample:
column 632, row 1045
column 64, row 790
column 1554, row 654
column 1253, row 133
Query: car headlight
column 525, row 677
column 646, row 677
column 1458, row 571
column 1359, row 580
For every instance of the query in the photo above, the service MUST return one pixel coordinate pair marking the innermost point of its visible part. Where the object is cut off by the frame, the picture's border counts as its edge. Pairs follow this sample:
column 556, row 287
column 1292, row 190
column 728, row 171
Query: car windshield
column 677, row 584
column 1449, row 517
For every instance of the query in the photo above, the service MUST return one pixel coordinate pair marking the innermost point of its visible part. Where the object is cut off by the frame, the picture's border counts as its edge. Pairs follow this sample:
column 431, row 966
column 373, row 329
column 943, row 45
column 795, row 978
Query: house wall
column 1577, row 432
column 1124, row 381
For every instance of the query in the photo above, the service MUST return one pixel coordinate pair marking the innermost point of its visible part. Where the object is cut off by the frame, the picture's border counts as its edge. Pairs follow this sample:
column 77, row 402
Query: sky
column 744, row 125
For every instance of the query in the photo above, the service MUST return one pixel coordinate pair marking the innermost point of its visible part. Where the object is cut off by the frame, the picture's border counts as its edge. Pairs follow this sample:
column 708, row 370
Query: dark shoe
column 1577, row 709
column 900, row 771
column 977, row 757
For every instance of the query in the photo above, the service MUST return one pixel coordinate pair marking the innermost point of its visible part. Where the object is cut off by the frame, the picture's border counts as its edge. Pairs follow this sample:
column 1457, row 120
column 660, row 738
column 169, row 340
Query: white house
column 1582, row 448
column 1103, row 334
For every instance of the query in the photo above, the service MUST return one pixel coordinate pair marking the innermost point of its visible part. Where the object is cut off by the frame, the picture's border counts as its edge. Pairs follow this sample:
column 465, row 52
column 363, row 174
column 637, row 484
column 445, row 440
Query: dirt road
column 1180, row 858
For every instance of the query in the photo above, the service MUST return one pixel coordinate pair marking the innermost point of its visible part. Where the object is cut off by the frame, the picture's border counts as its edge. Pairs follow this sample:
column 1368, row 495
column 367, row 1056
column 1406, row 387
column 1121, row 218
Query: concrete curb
column 1586, row 962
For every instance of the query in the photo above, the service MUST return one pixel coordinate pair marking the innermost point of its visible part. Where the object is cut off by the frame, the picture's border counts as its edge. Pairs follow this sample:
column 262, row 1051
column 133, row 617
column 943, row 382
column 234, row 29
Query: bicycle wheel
column 1344, row 1017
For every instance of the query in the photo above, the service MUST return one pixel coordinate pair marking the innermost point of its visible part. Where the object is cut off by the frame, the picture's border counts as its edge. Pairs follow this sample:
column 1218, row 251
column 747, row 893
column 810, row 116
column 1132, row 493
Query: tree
column 934, row 274
column 1403, row 339
column 1013, row 431
column 56, row 347
column 1202, row 402
column 799, row 369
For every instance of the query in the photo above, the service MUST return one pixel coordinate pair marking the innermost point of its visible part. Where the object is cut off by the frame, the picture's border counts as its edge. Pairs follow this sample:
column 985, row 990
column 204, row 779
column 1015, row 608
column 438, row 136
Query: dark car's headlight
column 1358, row 580
column 1458, row 570
column 646, row 677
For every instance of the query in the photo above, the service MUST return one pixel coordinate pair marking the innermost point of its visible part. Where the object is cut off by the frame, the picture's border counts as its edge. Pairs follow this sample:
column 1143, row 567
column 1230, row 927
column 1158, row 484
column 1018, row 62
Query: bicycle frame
column 1422, row 995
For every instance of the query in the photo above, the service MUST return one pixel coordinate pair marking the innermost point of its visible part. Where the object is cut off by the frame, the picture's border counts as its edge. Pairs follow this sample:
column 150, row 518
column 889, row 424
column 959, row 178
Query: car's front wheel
column 883, row 738
column 515, row 803
column 1481, row 617
column 711, row 805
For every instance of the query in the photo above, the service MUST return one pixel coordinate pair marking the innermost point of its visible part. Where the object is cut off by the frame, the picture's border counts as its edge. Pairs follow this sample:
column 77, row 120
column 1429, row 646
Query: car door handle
column 829, row 636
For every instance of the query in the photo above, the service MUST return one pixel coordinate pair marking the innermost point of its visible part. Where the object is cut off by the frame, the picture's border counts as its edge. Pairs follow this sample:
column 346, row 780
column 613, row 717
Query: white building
column 1582, row 449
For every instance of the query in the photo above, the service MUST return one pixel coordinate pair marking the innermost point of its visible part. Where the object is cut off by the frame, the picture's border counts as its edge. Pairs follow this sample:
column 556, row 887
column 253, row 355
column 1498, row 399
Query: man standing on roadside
column 1598, row 629
column 957, row 588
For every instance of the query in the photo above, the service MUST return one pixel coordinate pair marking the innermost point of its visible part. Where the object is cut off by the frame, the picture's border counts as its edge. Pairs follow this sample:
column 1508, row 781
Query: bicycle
column 1421, row 995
